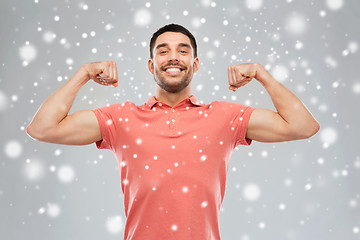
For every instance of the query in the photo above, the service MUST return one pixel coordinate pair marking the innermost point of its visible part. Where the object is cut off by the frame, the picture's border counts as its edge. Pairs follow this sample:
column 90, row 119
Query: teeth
column 173, row 70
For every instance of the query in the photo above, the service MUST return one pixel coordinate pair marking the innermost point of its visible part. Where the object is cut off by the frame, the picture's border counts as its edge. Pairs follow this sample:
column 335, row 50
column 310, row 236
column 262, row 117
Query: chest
column 174, row 131
column 174, row 145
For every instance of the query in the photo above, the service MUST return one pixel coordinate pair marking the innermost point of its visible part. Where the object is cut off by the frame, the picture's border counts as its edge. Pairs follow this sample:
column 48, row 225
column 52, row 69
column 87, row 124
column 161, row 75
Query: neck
column 172, row 99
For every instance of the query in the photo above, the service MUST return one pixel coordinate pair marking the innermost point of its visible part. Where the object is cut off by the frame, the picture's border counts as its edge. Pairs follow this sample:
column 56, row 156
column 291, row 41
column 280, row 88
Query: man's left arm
column 292, row 121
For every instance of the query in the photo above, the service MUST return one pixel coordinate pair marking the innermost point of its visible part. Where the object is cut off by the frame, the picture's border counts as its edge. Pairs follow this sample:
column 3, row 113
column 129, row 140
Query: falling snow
column 310, row 47
column 13, row 149
column 251, row 192
column 33, row 169
column 114, row 224
column 66, row 174
column 142, row 17
column 296, row 24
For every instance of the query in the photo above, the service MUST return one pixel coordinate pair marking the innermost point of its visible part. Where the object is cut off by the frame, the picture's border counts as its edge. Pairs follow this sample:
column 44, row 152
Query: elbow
column 315, row 127
column 306, row 132
column 32, row 133
column 28, row 130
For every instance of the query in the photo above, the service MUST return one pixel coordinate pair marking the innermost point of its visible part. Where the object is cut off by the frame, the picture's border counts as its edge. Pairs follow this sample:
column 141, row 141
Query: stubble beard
column 169, row 83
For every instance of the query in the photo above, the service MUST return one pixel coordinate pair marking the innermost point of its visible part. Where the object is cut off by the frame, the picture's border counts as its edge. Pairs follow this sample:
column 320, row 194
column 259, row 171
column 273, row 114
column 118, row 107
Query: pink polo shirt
column 173, row 163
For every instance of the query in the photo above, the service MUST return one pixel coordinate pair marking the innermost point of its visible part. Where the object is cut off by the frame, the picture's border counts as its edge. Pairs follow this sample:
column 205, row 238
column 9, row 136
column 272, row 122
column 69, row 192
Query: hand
column 104, row 73
column 242, row 74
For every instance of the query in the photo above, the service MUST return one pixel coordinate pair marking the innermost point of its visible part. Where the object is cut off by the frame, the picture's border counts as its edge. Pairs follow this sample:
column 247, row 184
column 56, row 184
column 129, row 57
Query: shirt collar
column 192, row 99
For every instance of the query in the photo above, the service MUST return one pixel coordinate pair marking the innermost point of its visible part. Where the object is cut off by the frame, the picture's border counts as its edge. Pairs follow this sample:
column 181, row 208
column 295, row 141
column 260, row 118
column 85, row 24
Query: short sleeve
column 108, row 122
column 240, row 115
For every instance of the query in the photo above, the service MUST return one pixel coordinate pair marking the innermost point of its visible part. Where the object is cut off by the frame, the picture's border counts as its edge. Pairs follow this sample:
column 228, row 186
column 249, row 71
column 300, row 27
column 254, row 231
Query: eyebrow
column 180, row 44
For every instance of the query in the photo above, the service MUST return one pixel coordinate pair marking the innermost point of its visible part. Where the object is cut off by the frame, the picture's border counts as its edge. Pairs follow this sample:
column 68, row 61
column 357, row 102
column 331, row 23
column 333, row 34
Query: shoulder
column 229, row 105
column 119, row 105
column 128, row 106
column 112, row 108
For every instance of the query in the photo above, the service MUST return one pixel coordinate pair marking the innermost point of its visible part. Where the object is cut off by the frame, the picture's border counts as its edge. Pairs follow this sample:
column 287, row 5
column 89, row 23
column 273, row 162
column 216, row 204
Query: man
column 173, row 152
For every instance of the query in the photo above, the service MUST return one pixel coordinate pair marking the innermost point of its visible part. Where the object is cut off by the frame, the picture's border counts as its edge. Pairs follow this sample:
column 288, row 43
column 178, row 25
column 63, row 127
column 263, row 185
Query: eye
column 182, row 51
column 163, row 51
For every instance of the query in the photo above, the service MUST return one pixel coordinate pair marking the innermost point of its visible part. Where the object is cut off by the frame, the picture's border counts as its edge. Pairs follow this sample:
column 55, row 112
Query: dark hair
column 173, row 28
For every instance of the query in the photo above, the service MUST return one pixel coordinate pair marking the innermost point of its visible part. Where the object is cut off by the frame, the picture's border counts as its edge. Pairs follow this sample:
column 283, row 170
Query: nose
column 173, row 56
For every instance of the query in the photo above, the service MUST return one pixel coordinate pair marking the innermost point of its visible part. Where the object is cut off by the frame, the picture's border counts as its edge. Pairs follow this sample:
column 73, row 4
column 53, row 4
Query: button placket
column 172, row 116
column 172, row 120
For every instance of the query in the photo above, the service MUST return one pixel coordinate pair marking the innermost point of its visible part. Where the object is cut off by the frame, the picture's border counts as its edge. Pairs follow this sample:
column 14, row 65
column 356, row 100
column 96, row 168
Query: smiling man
column 173, row 61
column 173, row 151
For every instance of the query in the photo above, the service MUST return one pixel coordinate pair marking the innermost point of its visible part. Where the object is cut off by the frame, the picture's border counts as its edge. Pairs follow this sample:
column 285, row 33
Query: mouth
column 173, row 70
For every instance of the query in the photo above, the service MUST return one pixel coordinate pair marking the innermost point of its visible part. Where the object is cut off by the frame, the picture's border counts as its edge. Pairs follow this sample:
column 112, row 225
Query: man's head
column 173, row 28
column 173, row 58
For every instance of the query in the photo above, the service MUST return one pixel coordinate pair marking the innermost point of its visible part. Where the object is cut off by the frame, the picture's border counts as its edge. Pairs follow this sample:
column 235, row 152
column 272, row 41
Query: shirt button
column 173, row 110
column 160, row 104
column 173, row 120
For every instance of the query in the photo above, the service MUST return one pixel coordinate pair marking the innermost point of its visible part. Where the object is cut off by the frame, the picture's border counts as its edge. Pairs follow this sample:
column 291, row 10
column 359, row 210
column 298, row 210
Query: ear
column 151, row 65
column 196, row 64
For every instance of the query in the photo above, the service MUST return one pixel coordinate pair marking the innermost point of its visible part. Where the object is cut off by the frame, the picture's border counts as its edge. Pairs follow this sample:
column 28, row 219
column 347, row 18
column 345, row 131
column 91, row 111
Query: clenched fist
column 104, row 73
column 242, row 74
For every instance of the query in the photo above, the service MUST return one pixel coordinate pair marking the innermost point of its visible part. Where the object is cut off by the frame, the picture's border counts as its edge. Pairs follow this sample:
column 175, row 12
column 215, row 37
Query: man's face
column 173, row 63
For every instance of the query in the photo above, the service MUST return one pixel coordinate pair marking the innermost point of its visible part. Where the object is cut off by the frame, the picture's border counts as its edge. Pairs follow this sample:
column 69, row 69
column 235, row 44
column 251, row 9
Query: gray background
column 308, row 189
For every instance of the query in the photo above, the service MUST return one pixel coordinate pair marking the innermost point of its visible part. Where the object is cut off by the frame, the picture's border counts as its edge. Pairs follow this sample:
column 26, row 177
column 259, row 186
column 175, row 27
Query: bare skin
column 173, row 51
column 173, row 87
column 53, row 124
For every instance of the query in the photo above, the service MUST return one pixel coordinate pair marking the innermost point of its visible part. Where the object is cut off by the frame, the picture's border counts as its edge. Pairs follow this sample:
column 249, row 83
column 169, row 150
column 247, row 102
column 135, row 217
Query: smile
column 172, row 70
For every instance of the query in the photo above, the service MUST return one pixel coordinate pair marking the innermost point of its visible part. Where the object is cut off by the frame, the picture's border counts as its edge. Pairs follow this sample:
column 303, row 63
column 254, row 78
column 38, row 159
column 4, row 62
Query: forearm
column 57, row 106
column 288, row 106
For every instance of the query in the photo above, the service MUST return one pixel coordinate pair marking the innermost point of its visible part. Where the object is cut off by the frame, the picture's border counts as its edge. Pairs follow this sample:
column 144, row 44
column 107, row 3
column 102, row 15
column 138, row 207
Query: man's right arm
column 52, row 123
